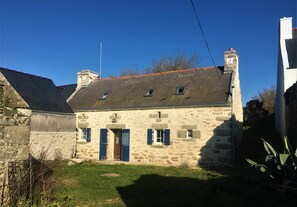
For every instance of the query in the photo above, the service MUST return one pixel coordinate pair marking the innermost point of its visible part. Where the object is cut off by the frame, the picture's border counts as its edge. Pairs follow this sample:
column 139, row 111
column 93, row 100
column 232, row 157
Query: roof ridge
column 161, row 73
column 23, row 73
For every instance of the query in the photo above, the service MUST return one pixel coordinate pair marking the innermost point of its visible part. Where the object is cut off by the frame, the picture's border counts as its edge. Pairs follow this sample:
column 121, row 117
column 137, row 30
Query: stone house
column 34, row 116
column 286, row 71
column 185, row 117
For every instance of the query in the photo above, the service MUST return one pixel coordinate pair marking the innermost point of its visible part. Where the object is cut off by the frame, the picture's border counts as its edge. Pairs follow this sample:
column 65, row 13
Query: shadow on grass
column 155, row 190
column 252, row 144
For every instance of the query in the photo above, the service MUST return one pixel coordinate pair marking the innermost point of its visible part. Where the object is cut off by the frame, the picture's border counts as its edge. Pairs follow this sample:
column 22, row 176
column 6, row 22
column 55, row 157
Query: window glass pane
column 104, row 95
column 160, row 136
column 150, row 92
column 190, row 134
column 84, row 133
column 180, row 90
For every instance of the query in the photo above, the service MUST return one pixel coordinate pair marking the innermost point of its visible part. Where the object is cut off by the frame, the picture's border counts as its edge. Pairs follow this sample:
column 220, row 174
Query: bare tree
column 166, row 63
column 267, row 96
column 170, row 63
column 129, row 72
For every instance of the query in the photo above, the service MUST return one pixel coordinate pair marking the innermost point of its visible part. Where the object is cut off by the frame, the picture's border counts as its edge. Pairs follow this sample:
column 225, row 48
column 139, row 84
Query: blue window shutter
column 103, row 144
column 167, row 137
column 88, row 134
column 149, row 136
column 125, row 145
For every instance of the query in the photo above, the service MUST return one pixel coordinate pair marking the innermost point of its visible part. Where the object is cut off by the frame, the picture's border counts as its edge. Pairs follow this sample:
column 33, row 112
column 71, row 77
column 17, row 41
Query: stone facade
column 163, row 133
column 210, row 142
column 14, row 132
column 286, row 71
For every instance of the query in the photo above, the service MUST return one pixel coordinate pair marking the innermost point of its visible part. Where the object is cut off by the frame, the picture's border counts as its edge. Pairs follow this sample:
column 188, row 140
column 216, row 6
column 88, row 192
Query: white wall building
column 287, row 69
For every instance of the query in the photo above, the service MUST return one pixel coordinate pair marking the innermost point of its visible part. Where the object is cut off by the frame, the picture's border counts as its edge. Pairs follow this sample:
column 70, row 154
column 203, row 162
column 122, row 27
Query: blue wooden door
column 103, row 144
column 125, row 145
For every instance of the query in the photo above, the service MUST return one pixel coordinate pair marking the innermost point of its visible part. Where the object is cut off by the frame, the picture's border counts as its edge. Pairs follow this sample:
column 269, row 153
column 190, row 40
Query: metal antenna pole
column 100, row 72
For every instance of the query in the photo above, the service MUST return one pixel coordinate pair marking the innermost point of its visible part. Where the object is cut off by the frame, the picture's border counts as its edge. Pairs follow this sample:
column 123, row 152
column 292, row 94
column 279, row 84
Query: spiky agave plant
column 280, row 167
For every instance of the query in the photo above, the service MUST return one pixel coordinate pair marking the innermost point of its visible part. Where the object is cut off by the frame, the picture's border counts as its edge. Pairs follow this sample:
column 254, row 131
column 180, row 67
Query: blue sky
column 56, row 39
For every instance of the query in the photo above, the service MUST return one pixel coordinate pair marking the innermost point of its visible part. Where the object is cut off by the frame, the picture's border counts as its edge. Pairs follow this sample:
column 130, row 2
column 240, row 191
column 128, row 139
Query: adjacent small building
column 34, row 113
column 187, row 117
column 286, row 72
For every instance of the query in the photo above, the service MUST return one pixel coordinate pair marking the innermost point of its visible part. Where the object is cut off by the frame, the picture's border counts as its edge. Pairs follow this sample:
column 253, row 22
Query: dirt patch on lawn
column 67, row 181
column 111, row 175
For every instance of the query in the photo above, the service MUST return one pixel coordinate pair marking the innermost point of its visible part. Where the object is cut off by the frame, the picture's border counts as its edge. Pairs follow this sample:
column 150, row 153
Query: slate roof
column 39, row 93
column 67, row 90
column 203, row 87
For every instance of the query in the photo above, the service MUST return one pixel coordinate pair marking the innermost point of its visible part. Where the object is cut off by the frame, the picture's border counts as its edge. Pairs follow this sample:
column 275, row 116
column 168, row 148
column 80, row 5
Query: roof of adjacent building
column 203, row 87
column 39, row 93
column 67, row 90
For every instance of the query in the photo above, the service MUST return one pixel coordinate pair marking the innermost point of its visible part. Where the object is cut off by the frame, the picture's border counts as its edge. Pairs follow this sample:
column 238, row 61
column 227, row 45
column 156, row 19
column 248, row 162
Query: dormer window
column 180, row 90
column 150, row 92
column 104, row 96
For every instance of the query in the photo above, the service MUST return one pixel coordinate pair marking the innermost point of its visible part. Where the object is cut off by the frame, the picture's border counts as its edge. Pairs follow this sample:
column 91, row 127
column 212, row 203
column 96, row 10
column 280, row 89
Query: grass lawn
column 91, row 184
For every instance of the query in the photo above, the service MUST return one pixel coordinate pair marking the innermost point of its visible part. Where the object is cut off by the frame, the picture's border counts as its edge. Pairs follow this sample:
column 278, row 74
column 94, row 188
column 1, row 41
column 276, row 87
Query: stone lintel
column 154, row 116
column 115, row 126
column 82, row 125
column 83, row 117
column 159, row 126
column 164, row 115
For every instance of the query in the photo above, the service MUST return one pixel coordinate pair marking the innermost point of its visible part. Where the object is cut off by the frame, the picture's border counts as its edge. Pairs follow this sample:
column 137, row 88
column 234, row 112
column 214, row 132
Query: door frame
column 117, row 150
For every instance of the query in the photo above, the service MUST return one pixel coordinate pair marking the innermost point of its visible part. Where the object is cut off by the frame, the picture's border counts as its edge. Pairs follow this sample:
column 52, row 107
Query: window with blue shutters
column 167, row 136
column 158, row 136
column 85, row 134
column 88, row 135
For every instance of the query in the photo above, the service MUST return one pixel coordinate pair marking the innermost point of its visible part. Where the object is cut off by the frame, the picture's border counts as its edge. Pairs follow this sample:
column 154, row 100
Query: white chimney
column 85, row 77
column 285, row 28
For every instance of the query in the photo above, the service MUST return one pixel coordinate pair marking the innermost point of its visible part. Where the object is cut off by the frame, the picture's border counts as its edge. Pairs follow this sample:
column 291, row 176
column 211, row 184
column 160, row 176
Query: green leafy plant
column 281, row 168
column 4, row 101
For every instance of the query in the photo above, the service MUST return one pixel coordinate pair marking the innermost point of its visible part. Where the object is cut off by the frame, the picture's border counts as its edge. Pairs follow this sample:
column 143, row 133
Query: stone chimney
column 230, row 61
column 85, row 77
